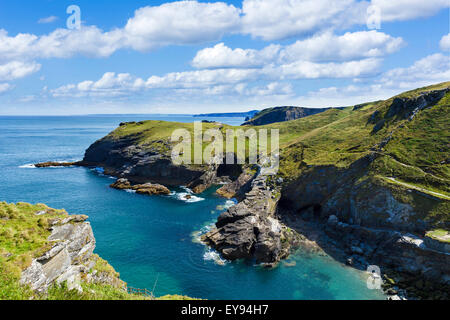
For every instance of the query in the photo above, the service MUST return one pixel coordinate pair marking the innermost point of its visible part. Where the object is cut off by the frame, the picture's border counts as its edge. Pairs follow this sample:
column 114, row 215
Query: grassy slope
column 23, row 236
column 339, row 137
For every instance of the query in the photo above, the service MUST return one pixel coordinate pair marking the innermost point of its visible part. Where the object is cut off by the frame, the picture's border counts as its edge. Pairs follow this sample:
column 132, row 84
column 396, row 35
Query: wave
column 187, row 196
column 212, row 255
column 28, row 166
column 227, row 205
column 130, row 191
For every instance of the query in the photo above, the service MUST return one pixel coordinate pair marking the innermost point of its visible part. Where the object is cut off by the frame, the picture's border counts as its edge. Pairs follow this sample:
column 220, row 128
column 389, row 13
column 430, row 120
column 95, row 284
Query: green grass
column 439, row 234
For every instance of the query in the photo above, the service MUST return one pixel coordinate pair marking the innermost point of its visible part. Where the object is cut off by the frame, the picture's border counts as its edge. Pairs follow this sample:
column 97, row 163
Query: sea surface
column 152, row 241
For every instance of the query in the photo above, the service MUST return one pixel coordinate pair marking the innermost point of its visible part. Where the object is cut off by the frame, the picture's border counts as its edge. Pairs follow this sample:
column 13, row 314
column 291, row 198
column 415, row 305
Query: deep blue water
column 151, row 238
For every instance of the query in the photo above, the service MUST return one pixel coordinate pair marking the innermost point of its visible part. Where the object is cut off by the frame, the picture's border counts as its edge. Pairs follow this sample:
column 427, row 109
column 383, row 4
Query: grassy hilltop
column 416, row 154
column 411, row 153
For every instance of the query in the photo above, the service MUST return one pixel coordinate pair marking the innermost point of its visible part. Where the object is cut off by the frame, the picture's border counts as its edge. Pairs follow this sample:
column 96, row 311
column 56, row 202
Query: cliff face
column 251, row 230
column 124, row 158
column 280, row 114
column 69, row 260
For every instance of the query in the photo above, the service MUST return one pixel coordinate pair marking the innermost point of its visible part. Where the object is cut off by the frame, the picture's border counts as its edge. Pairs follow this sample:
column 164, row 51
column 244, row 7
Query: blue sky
column 216, row 56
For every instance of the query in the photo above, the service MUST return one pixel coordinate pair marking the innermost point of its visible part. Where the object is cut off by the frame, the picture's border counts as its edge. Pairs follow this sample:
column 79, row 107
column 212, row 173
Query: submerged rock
column 57, row 164
column 146, row 188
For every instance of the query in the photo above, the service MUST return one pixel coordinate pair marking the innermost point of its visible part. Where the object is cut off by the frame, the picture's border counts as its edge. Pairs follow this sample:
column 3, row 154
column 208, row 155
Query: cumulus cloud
column 325, row 47
column 349, row 46
column 400, row 10
column 176, row 23
column 17, row 69
column 445, row 43
column 426, row 71
column 312, row 70
column 110, row 84
column 429, row 70
column 279, row 19
column 61, row 43
column 221, row 56
column 183, row 22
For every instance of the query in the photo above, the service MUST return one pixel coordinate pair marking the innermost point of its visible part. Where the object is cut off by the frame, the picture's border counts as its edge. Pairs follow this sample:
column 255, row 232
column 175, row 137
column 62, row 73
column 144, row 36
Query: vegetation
column 415, row 153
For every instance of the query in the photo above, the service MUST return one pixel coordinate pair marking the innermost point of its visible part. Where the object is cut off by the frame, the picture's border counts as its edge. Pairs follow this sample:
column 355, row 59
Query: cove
column 152, row 241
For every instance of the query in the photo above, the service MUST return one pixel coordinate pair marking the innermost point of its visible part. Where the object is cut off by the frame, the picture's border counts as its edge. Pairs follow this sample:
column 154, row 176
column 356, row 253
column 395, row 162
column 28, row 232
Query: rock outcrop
column 146, row 188
column 70, row 258
column 238, row 188
column 57, row 164
column 250, row 229
column 280, row 114
column 416, row 266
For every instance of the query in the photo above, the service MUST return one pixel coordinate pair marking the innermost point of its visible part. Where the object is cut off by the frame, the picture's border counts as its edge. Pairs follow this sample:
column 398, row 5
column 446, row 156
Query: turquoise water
column 151, row 239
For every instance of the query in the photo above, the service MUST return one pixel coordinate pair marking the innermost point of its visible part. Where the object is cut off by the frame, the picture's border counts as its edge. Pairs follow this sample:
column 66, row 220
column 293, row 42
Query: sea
column 153, row 241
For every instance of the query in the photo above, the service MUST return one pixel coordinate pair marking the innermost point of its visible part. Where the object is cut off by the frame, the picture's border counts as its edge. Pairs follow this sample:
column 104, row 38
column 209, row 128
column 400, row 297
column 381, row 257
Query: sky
column 188, row 57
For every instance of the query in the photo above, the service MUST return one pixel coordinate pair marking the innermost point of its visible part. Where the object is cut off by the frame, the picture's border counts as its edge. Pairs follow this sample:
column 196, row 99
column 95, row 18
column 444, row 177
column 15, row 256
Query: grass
column 439, row 234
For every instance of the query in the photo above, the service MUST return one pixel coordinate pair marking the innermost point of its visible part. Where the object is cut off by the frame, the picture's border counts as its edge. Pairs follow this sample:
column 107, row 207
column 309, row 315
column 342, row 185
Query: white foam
column 212, row 255
column 187, row 196
column 130, row 191
column 28, row 166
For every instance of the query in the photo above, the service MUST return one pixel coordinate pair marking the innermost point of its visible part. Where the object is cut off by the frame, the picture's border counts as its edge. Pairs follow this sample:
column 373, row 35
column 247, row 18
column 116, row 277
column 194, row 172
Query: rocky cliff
column 70, row 258
column 251, row 230
column 281, row 114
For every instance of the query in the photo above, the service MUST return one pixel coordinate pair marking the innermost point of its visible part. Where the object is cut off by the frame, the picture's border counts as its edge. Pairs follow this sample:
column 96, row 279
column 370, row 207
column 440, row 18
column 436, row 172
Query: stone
column 332, row 220
column 249, row 229
column 66, row 260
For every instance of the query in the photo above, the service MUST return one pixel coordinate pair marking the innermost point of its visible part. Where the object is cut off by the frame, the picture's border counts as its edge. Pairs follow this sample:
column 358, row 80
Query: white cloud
column 429, row 70
column 350, row 46
column 312, row 70
column 110, row 84
column 5, row 87
column 17, row 69
column 61, row 43
column 176, row 23
column 325, row 47
column 221, row 56
column 183, row 22
column 426, row 71
column 445, row 43
column 400, row 10
column 48, row 19
column 279, row 19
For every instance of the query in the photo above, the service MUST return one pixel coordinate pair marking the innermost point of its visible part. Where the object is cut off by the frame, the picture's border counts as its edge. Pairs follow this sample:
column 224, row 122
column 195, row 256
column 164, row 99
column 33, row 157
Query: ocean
column 153, row 242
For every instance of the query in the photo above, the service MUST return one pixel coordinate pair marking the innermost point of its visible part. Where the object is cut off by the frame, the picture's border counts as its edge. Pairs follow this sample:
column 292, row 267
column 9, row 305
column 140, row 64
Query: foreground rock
column 70, row 259
column 146, row 188
column 250, row 230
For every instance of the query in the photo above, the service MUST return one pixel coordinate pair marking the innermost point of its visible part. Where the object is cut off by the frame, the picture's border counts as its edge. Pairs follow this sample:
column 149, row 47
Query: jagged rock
column 237, row 188
column 249, row 229
column 70, row 258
